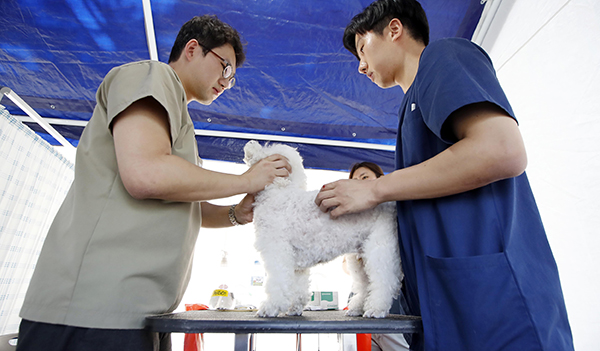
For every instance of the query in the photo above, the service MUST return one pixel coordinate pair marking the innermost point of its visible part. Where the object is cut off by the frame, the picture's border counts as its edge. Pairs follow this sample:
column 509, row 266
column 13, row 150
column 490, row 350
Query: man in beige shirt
column 121, row 245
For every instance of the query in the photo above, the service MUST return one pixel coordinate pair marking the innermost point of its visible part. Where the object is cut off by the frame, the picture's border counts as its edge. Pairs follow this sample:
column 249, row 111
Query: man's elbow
column 517, row 166
column 142, row 186
column 140, row 192
column 511, row 162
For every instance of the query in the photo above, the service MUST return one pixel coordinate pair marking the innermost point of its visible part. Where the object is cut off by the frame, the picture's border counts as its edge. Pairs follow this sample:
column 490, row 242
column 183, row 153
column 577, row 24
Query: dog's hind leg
column 300, row 293
column 382, row 265
column 360, row 283
column 279, row 265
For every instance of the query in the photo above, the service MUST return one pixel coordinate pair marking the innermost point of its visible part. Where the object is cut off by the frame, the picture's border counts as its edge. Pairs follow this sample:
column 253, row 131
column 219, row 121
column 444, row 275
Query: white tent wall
column 547, row 54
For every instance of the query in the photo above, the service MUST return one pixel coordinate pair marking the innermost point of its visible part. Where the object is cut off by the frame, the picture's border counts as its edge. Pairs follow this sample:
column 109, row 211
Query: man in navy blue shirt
column 478, row 267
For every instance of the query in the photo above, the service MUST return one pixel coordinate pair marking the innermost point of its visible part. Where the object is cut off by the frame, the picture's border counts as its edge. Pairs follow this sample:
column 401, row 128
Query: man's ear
column 191, row 49
column 396, row 28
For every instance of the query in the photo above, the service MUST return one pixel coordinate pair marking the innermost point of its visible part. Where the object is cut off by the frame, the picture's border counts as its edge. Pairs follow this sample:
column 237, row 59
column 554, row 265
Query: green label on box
column 327, row 296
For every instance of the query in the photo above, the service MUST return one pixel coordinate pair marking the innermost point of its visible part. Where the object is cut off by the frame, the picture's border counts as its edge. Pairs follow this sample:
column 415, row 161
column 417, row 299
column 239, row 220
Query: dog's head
column 254, row 152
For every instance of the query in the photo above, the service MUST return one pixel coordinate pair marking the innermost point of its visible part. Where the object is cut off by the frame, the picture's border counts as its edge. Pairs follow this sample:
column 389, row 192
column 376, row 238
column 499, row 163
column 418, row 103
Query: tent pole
column 149, row 24
column 488, row 15
column 35, row 116
column 248, row 136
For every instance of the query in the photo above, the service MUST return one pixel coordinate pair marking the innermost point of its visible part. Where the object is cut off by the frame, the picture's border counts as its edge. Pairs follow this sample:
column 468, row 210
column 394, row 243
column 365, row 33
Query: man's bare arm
column 150, row 171
column 489, row 148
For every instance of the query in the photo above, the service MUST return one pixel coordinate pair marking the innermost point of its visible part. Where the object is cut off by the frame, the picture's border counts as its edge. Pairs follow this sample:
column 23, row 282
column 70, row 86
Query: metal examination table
column 245, row 323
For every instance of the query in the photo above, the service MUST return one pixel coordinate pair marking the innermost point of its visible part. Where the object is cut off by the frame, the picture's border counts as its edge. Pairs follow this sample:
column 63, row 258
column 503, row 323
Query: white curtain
column 34, row 180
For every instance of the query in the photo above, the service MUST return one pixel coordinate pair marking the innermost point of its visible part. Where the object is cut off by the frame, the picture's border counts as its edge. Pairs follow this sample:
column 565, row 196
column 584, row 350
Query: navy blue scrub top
column 478, row 266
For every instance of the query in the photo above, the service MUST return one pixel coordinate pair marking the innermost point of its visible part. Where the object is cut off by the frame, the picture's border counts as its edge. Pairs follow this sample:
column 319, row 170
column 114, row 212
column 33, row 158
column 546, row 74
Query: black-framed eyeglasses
column 227, row 68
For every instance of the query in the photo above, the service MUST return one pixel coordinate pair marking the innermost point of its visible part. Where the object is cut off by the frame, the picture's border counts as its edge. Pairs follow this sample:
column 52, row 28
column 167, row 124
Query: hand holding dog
column 347, row 196
column 264, row 172
column 244, row 211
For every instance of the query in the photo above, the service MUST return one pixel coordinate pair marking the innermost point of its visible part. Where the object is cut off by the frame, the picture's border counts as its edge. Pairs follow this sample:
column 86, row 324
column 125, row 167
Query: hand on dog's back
column 346, row 196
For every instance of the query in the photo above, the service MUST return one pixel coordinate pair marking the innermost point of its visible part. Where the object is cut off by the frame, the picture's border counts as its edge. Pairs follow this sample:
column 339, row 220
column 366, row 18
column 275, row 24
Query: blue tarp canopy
column 298, row 84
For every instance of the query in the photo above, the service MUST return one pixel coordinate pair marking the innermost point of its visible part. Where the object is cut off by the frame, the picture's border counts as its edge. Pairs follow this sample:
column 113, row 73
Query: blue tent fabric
column 298, row 80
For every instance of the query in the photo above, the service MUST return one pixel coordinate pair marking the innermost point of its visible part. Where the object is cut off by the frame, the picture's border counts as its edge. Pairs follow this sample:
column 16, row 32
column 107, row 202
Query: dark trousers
column 37, row 336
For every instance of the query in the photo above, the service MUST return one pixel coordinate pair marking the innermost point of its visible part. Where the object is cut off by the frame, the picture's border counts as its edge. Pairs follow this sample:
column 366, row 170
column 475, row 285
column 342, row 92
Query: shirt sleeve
column 455, row 73
column 129, row 83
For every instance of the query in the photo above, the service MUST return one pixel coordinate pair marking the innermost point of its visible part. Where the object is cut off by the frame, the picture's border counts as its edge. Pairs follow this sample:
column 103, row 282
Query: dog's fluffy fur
column 292, row 235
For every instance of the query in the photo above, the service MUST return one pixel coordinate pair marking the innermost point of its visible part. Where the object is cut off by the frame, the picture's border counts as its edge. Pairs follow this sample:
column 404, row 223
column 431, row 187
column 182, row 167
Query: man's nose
column 362, row 67
column 224, row 83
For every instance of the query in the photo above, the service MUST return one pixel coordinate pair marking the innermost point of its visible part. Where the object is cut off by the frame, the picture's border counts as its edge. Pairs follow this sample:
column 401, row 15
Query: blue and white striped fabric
column 34, row 180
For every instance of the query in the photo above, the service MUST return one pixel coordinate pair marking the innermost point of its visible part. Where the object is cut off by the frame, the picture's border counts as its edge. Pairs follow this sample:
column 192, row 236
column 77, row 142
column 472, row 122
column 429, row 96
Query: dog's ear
column 252, row 152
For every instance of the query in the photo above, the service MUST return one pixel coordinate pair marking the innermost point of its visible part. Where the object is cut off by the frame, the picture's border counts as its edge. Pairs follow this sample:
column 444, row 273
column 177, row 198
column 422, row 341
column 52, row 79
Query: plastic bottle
column 222, row 298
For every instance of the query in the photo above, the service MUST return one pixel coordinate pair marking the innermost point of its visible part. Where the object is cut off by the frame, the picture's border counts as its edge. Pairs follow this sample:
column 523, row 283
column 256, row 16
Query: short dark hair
column 378, row 15
column 211, row 33
column 370, row 165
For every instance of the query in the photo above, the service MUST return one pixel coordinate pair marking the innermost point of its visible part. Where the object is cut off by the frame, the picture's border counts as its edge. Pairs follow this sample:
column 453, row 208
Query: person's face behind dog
column 363, row 173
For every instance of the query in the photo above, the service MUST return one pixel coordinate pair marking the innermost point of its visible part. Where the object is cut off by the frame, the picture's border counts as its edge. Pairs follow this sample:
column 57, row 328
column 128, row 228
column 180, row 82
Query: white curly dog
column 293, row 235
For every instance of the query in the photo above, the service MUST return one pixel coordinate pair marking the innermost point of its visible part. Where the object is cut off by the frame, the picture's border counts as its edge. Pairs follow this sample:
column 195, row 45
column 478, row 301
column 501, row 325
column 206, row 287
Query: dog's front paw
column 295, row 310
column 267, row 310
column 372, row 313
column 354, row 313
column 294, row 313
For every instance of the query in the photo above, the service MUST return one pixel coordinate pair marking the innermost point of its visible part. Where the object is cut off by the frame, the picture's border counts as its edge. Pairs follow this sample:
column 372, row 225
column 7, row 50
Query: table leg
column 241, row 342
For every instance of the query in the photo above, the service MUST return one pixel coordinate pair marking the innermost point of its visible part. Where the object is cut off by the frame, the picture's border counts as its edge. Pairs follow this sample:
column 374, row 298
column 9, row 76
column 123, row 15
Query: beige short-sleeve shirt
column 110, row 260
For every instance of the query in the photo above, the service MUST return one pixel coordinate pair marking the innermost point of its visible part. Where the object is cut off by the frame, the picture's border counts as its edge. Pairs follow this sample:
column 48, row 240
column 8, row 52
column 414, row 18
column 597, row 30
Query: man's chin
column 206, row 102
column 386, row 85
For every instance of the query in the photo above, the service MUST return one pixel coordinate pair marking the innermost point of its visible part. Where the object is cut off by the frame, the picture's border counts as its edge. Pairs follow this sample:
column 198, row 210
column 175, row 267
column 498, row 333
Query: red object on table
column 194, row 342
